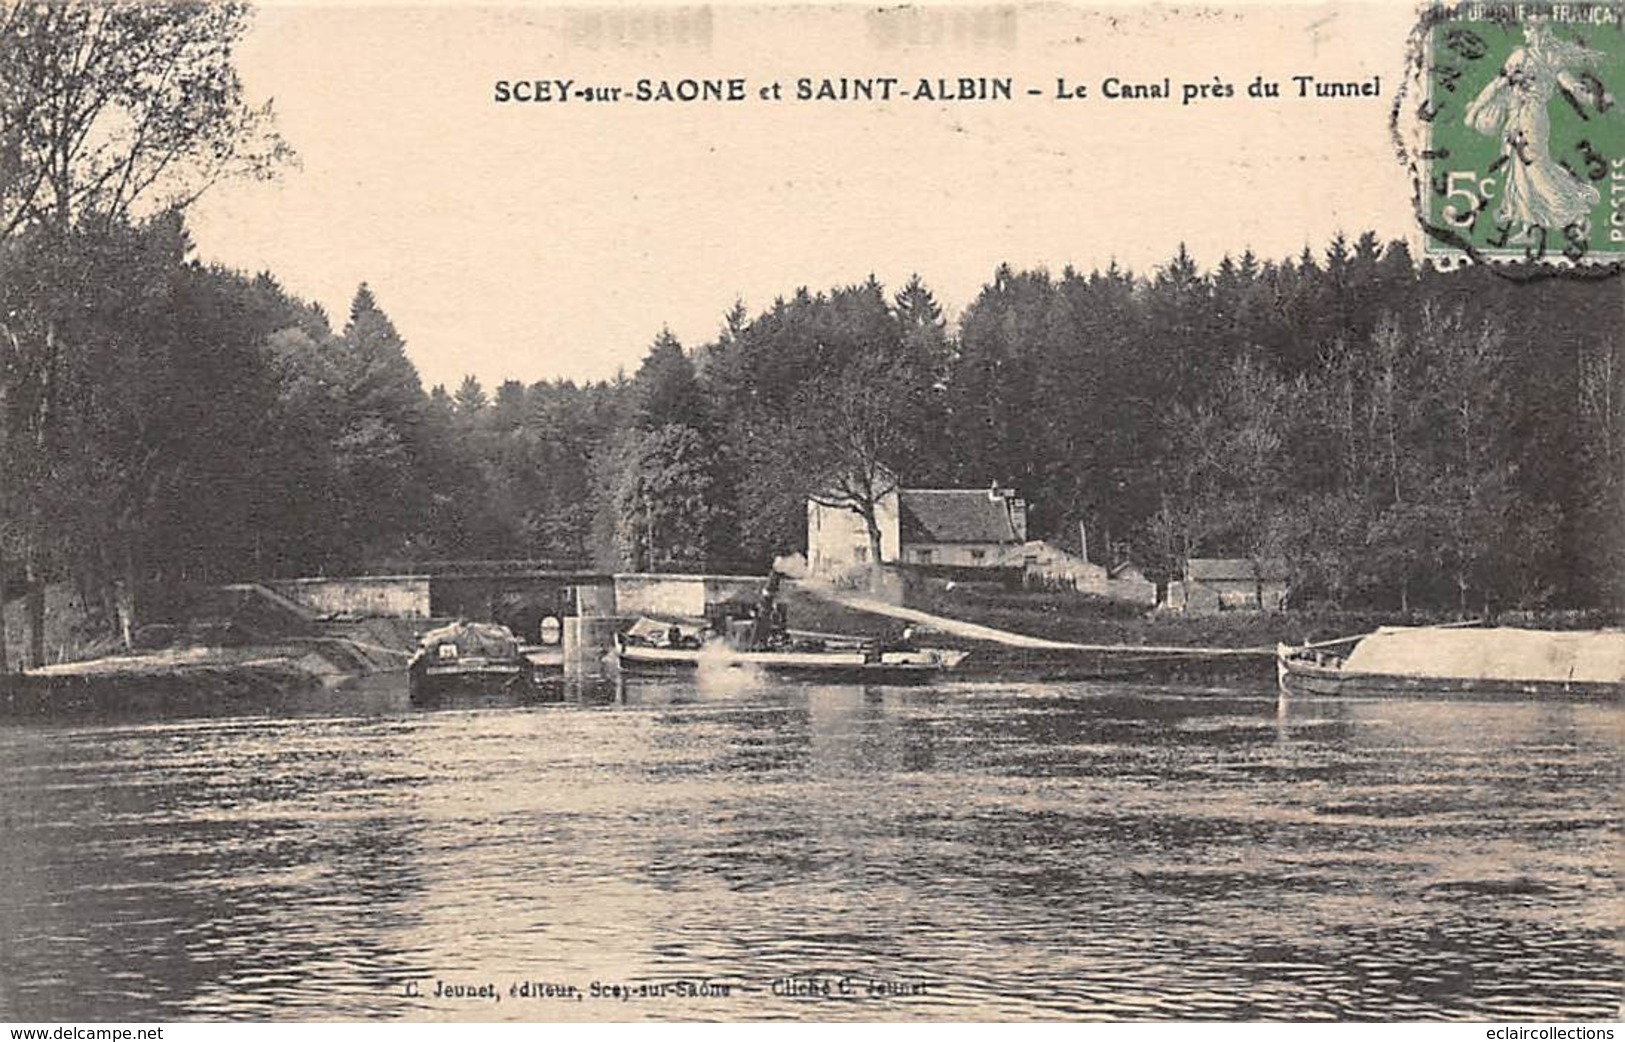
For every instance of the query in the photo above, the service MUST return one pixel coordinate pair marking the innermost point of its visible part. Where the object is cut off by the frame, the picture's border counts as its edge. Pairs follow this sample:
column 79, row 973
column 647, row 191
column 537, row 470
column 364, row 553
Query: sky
column 543, row 240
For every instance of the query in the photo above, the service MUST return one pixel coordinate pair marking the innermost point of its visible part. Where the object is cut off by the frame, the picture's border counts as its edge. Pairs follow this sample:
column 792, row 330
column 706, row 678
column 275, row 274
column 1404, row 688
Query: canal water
column 763, row 851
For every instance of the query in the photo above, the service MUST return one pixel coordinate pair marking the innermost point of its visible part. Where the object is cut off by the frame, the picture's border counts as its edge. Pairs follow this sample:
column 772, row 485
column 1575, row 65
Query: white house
column 956, row 527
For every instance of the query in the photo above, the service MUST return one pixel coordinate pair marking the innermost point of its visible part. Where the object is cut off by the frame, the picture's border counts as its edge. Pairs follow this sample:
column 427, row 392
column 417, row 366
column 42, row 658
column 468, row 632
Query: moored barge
column 1433, row 660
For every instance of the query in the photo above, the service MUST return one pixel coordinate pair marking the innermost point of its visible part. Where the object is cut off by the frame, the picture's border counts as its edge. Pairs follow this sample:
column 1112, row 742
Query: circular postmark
column 1511, row 119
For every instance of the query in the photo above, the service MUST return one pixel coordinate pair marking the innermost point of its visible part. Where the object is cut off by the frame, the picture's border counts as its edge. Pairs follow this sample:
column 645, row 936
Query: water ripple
column 1081, row 851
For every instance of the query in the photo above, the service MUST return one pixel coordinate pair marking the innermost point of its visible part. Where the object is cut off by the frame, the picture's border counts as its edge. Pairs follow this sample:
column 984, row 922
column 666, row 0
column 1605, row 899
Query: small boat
column 877, row 666
column 762, row 641
column 469, row 657
column 659, row 648
column 1410, row 660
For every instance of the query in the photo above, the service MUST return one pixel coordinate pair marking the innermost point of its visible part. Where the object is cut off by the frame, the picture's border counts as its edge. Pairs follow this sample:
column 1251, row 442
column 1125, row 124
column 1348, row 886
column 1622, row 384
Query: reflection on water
column 970, row 851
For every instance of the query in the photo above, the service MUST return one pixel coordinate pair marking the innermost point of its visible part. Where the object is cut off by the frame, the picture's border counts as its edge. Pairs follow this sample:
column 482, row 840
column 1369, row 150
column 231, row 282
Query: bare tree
column 109, row 107
column 852, row 433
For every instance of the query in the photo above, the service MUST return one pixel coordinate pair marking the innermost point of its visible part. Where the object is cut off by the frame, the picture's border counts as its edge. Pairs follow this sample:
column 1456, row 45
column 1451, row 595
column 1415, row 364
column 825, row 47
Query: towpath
column 976, row 631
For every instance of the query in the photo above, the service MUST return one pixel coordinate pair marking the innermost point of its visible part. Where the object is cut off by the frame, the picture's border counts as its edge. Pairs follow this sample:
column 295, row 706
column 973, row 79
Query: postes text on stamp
column 1516, row 132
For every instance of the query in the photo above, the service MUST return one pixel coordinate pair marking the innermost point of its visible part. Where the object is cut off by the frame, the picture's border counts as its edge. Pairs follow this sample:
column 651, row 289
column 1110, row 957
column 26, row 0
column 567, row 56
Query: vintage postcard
column 811, row 512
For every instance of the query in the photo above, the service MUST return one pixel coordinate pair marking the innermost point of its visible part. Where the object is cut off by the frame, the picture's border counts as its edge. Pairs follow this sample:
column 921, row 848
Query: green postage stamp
column 1518, row 122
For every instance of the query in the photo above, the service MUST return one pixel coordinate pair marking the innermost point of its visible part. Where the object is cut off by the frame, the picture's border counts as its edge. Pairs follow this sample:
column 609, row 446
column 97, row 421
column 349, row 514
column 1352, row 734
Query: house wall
column 372, row 596
column 961, row 555
column 1245, row 595
column 838, row 540
column 1200, row 596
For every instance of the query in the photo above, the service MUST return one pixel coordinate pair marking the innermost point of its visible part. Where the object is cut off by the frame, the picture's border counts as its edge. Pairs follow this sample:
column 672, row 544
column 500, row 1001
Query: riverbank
column 1074, row 618
column 247, row 641
column 1001, row 651
column 153, row 678
column 1035, row 622
column 241, row 642
column 1062, row 635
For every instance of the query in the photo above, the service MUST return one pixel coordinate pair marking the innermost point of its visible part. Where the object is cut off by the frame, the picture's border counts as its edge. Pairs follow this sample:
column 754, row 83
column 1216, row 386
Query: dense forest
column 1402, row 437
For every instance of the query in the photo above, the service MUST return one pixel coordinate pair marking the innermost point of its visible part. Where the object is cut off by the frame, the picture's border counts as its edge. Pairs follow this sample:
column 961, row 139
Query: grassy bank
column 807, row 611
column 811, row 611
column 237, row 647
column 1090, row 620
column 1077, row 618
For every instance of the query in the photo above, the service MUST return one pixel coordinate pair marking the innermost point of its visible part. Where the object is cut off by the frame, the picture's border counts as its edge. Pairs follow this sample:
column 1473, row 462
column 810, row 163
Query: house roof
column 956, row 515
column 1235, row 569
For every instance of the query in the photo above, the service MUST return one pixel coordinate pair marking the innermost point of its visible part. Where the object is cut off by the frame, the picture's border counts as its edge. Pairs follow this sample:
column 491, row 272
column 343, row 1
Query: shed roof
column 1235, row 569
column 954, row 515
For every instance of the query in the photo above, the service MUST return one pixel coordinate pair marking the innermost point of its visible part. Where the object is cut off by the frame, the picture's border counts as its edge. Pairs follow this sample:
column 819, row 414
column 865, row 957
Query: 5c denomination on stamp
column 1512, row 125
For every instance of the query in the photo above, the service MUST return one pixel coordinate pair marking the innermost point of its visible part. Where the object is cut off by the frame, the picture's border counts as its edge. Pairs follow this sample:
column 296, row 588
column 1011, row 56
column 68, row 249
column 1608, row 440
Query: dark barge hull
column 441, row 684
column 1309, row 679
column 432, row 683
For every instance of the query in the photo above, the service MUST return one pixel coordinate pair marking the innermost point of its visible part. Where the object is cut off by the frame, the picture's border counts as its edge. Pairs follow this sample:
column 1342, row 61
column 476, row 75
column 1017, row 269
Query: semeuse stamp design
column 1512, row 124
